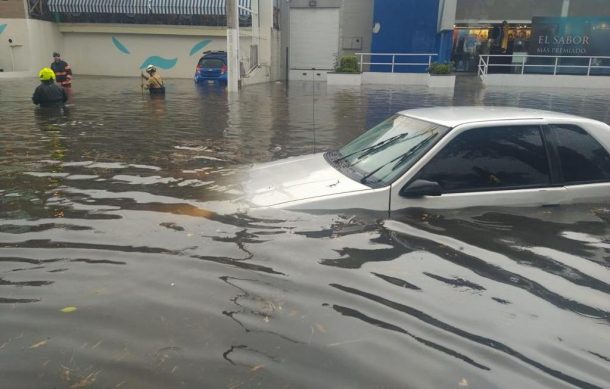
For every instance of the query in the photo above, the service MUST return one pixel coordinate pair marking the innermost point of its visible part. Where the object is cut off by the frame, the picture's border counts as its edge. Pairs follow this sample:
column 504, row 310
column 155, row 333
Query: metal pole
column 361, row 57
column 565, row 8
column 555, row 68
column 392, row 63
column 12, row 58
column 232, row 46
column 589, row 67
column 523, row 60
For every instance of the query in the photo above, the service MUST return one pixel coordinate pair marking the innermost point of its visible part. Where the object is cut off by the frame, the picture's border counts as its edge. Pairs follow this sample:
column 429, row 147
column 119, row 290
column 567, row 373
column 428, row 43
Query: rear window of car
column 213, row 63
column 582, row 158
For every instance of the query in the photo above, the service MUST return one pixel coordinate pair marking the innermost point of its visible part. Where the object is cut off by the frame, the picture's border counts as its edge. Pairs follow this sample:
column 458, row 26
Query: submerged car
column 212, row 68
column 444, row 158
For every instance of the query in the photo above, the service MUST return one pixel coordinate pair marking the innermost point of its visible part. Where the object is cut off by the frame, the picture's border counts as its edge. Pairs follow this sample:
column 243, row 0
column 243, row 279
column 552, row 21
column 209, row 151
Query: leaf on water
column 68, row 309
column 257, row 367
column 320, row 328
column 65, row 374
column 463, row 382
column 85, row 381
column 39, row 344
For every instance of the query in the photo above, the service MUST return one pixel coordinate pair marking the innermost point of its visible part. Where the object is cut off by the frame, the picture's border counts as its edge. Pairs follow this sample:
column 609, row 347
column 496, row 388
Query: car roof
column 454, row 116
column 215, row 54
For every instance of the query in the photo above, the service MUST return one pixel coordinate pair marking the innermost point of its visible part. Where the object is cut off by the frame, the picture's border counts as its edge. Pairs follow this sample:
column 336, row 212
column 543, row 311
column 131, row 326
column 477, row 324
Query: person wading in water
column 154, row 82
column 63, row 71
column 48, row 93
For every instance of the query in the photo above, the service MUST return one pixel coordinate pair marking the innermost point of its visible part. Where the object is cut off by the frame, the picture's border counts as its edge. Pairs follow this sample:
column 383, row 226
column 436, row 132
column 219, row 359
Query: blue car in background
column 212, row 68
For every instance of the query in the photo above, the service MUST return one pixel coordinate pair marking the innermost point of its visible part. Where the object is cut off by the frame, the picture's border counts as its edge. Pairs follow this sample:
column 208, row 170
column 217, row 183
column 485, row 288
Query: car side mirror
column 420, row 188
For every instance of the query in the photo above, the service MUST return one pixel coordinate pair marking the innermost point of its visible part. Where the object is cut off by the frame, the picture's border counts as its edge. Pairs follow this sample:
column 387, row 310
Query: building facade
column 98, row 37
column 506, row 27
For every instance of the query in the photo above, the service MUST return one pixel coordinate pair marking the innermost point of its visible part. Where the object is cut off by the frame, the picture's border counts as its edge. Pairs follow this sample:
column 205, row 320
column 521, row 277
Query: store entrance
column 471, row 40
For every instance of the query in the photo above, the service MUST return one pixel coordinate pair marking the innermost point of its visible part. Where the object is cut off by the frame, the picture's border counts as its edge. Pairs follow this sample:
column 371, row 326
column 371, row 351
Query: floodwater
column 114, row 273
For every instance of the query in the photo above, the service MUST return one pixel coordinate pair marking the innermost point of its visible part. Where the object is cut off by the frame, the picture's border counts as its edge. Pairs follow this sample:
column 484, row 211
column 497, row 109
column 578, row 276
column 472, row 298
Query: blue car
column 212, row 68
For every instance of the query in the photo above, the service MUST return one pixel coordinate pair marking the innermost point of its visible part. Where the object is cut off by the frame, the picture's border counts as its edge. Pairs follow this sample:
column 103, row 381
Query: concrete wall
column 589, row 8
column 524, row 10
column 33, row 42
column 546, row 81
column 356, row 23
column 117, row 50
column 122, row 49
column 355, row 27
column 12, row 9
column 512, row 10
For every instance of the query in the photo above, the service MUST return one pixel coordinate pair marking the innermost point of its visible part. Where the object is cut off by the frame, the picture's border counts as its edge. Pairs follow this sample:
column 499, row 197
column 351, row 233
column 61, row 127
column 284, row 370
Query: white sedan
column 451, row 157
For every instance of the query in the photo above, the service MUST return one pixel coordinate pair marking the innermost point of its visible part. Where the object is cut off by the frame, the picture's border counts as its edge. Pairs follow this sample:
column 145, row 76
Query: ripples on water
column 105, row 208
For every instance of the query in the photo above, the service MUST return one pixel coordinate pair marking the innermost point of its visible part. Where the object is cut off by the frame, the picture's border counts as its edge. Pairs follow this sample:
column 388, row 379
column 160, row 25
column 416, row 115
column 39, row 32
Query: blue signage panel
column 570, row 36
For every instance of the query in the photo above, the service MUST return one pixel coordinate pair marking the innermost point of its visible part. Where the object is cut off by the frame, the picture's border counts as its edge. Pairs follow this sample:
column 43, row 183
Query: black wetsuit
column 49, row 94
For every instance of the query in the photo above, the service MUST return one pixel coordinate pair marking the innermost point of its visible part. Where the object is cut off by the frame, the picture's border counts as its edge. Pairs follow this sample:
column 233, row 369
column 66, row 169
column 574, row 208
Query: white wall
column 33, row 44
column 356, row 23
column 96, row 54
column 90, row 49
column 546, row 81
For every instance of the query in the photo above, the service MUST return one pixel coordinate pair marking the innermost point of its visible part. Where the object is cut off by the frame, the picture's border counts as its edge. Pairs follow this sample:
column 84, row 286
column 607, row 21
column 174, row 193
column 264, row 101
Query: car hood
column 293, row 179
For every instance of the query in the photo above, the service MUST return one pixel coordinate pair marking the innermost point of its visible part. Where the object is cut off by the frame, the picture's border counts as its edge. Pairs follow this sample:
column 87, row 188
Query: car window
column 213, row 63
column 387, row 150
column 581, row 157
column 491, row 158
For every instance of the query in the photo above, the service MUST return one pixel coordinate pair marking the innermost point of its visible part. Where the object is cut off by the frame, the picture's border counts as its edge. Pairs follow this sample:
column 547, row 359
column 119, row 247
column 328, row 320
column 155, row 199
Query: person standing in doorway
column 63, row 72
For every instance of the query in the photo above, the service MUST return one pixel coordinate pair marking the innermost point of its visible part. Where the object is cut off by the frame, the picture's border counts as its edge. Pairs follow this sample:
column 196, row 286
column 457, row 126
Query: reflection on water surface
column 115, row 271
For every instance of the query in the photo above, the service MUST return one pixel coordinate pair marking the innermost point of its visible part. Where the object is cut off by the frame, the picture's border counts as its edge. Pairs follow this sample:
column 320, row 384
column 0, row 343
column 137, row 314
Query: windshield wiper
column 373, row 148
column 401, row 158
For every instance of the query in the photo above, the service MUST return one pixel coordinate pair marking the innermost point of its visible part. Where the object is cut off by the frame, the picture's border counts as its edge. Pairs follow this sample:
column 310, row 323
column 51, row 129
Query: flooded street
column 116, row 271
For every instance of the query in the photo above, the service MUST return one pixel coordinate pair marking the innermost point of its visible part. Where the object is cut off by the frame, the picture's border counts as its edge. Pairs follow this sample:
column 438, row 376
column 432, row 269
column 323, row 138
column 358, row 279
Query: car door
column 584, row 162
column 486, row 164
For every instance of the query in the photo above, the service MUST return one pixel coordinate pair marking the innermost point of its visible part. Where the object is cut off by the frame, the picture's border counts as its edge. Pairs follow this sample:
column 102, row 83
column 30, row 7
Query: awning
column 195, row 7
column 100, row 6
column 166, row 7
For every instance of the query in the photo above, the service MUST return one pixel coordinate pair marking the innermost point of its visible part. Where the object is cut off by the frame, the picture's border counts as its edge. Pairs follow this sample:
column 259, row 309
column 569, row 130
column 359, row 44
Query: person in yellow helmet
column 48, row 94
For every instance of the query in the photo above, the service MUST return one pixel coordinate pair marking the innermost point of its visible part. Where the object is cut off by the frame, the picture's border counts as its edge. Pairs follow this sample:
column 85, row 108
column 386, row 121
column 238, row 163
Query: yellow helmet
column 46, row 74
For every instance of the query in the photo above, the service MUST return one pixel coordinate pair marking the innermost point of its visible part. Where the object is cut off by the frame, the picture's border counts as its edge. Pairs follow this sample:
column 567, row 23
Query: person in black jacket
column 63, row 71
column 49, row 94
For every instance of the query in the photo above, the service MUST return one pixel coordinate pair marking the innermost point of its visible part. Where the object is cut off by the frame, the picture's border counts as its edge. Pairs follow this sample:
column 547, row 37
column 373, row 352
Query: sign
column 571, row 36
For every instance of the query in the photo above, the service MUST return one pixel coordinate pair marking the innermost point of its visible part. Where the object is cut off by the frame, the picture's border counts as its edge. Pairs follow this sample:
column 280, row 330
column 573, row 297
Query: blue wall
column 408, row 26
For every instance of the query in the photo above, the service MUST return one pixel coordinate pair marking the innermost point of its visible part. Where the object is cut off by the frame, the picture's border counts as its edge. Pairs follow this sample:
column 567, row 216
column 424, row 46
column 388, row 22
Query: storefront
column 473, row 39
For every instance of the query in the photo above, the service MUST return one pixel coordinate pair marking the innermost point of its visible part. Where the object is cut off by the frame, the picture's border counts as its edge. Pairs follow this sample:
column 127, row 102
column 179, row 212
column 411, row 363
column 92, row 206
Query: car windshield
column 213, row 63
column 387, row 150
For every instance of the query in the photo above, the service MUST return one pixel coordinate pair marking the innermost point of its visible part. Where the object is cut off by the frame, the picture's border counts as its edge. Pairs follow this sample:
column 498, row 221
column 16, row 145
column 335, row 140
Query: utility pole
column 233, row 46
